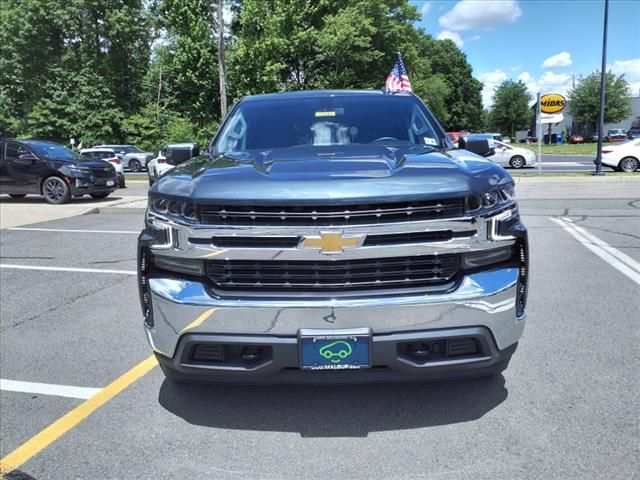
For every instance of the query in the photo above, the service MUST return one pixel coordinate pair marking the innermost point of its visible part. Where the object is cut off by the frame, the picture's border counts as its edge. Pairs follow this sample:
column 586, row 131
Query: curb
column 604, row 179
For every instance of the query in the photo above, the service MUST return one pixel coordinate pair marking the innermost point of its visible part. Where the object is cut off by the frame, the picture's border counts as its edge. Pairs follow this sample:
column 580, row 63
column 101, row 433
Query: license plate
column 110, row 183
column 334, row 349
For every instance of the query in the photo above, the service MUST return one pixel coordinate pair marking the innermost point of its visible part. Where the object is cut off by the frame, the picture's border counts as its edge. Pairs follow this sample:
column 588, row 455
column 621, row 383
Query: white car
column 515, row 157
column 169, row 157
column 623, row 156
column 108, row 155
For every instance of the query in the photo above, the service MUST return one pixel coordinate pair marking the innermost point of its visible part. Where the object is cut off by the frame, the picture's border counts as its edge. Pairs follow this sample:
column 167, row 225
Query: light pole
column 603, row 82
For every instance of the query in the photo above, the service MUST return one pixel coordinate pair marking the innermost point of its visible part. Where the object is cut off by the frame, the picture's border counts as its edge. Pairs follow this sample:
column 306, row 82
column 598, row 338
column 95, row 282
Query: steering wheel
column 384, row 139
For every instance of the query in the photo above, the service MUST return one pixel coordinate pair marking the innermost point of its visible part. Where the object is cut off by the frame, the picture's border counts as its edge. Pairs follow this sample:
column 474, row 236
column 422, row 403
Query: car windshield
column 271, row 123
column 52, row 150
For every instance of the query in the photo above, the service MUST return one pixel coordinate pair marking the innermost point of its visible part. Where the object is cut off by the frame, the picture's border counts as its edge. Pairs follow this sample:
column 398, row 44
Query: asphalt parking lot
column 567, row 407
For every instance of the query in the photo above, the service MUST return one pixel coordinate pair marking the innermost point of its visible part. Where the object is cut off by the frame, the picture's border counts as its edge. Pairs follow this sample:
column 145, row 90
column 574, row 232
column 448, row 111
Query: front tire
column 100, row 195
column 135, row 166
column 55, row 191
column 517, row 162
column 629, row 164
column 17, row 195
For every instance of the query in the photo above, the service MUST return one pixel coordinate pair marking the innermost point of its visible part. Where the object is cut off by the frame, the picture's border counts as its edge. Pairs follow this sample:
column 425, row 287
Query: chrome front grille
column 331, row 215
column 335, row 276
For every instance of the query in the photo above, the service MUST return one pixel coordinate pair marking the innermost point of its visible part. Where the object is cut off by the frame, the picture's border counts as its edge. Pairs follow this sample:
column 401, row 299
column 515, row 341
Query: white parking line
column 66, row 269
column 47, row 389
column 614, row 257
column 29, row 229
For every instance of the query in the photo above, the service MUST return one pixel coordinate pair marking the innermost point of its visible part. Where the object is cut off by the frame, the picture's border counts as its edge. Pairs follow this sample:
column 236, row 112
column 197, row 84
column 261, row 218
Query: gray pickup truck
column 333, row 237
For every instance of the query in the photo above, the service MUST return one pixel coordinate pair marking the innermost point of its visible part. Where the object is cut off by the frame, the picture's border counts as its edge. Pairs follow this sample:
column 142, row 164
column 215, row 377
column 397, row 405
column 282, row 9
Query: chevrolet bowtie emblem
column 332, row 242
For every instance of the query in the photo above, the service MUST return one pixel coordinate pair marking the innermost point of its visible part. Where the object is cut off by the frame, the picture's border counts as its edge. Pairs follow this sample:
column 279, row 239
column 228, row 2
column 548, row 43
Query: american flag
column 398, row 79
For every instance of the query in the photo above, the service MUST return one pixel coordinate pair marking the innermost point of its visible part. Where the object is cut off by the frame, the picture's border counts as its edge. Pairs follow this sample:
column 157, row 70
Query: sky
column 543, row 43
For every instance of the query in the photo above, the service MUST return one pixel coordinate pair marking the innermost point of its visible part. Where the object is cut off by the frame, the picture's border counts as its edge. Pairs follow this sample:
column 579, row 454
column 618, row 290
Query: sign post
column 538, row 131
column 548, row 110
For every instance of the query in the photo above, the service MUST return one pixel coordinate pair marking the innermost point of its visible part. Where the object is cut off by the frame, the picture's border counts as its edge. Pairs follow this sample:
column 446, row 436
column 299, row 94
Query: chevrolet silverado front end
column 333, row 237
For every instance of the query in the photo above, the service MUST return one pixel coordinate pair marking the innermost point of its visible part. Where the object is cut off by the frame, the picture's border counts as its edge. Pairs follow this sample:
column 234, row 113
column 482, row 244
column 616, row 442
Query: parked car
column 491, row 136
column 108, row 155
column 615, row 135
column 455, row 136
column 624, row 156
column 633, row 133
column 515, row 157
column 169, row 157
column 132, row 157
column 573, row 139
column 53, row 171
column 312, row 202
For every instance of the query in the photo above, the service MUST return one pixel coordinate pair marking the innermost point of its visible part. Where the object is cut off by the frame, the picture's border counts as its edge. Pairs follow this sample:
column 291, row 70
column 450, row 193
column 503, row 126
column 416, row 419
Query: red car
column 576, row 139
column 455, row 136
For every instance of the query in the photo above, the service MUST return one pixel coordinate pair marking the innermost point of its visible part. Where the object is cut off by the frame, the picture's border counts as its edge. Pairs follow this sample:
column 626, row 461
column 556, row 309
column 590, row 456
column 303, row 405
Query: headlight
column 178, row 209
column 488, row 201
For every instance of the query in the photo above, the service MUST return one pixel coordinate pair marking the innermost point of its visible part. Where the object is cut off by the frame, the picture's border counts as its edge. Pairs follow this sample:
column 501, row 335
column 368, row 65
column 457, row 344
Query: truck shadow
column 333, row 411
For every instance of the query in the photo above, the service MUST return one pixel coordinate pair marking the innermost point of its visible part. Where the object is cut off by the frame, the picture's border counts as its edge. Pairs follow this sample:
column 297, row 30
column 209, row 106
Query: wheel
column 517, row 162
column 17, row 195
column 121, row 182
column 100, row 195
column 629, row 164
column 135, row 166
column 55, row 190
column 150, row 181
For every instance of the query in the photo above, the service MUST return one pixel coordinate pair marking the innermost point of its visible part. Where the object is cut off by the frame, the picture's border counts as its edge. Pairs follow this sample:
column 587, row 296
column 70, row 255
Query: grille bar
column 395, row 272
column 331, row 215
column 293, row 241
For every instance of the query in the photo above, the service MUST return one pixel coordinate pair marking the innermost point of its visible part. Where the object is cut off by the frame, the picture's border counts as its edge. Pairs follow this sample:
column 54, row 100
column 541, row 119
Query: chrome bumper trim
column 483, row 299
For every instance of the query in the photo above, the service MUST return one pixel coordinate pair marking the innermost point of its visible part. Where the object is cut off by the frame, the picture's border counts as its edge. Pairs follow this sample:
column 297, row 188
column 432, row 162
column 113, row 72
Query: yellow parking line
column 46, row 437
column 213, row 254
column 199, row 320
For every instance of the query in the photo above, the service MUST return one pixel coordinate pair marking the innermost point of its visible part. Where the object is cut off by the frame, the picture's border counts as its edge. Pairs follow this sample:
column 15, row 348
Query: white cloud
column 491, row 80
column 516, row 68
column 631, row 70
column 562, row 59
column 453, row 36
column 480, row 15
column 474, row 38
column 425, row 8
column 549, row 83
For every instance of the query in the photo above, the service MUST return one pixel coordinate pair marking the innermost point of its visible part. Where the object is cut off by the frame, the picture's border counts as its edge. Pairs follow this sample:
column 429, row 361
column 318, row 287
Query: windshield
column 325, row 121
column 52, row 150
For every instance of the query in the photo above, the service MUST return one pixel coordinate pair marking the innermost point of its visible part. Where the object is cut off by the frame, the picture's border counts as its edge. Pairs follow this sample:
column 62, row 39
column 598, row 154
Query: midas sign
column 552, row 103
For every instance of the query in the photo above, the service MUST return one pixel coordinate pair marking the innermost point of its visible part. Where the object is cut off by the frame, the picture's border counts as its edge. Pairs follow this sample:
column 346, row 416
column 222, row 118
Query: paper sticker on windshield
column 325, row 114
column 430, row 141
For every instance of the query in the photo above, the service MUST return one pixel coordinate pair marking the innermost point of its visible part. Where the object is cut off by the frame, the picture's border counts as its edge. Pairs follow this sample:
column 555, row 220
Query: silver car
column 132, row 157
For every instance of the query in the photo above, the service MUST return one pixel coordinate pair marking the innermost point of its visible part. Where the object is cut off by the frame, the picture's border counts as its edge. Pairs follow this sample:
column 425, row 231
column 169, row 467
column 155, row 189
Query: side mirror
column 480, row 147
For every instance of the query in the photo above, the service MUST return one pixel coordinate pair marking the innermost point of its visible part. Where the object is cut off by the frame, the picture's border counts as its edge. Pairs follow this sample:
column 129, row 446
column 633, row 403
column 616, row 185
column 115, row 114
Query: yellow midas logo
column 552, row 103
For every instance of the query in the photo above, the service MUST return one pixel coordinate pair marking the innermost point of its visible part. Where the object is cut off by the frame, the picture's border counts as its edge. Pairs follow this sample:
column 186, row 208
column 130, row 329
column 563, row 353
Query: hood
column 332, row 174
column 83, row 162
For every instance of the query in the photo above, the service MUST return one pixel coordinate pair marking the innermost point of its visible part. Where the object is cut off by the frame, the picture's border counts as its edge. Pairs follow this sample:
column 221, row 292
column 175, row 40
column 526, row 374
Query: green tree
column 584, row 99
column 464, row 92
column 510, row 110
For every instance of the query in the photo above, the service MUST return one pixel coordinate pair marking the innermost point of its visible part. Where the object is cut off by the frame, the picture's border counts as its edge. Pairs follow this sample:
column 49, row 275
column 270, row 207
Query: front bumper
column 484, row 304
column 88, row 185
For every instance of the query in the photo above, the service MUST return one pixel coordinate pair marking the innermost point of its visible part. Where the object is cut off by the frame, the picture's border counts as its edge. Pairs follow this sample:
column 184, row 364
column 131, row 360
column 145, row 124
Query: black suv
column 52, row 170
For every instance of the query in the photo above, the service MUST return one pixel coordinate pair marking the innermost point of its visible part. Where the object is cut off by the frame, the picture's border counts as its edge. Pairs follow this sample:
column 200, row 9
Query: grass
column 564, row 149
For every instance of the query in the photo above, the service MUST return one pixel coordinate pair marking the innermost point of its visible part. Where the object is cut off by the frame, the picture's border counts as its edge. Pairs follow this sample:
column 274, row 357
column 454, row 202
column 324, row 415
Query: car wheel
column 17, row 195
column 121, row 183
column 629, row 164
column 517, row 162
column 135, row 166
column 100, row 195
column 55, row 191
column 150, row 180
